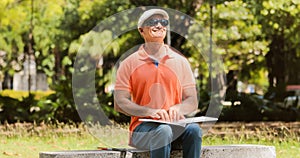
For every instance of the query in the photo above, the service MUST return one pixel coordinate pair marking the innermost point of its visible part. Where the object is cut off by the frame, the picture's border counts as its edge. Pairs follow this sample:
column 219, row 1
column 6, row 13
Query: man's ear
column 140, row 30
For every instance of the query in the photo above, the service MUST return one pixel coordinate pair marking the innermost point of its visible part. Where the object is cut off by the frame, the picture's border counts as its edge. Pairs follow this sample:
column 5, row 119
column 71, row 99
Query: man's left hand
column 174, row 113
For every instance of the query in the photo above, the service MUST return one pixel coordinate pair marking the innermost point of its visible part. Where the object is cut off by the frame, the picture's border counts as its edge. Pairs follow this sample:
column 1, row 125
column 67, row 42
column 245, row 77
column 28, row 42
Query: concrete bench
column 228, row 151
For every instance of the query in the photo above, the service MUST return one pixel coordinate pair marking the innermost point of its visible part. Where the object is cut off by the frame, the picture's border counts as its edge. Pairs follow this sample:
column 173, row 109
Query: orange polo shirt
column 154, row 84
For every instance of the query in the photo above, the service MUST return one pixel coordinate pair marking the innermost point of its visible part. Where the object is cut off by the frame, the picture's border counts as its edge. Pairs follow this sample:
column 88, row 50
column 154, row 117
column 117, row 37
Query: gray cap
column 147, row 14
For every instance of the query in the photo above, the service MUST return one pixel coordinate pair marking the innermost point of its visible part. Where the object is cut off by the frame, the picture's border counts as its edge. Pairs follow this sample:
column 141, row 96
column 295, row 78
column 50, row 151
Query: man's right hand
column 161, row 114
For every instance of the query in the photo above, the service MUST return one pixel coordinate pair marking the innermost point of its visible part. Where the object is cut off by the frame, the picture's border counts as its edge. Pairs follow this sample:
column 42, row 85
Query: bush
column 38, row 106
column 21, row 109
column 252, row 107
column 19, row 95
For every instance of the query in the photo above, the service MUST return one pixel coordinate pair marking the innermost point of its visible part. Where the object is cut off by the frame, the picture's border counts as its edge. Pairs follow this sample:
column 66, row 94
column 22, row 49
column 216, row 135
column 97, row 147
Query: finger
column 161, row 115
column 171, row 115
column 167, row 117
column 156, row 116
column 175, row 115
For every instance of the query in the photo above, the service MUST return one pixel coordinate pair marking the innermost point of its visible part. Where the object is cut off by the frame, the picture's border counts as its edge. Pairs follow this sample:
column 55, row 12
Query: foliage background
column 257, row 39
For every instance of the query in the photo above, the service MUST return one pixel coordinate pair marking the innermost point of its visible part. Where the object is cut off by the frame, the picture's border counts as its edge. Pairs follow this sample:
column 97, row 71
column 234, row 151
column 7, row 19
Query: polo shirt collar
column 144, row 56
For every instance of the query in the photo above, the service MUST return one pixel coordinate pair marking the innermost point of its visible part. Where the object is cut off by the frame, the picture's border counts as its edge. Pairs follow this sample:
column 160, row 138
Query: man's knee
column 161, row 137
column 164, row 131
column 194, row 130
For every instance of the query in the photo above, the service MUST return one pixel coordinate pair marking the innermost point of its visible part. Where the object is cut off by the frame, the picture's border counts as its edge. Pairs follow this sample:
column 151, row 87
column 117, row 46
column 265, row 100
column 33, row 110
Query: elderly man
column 156, row 82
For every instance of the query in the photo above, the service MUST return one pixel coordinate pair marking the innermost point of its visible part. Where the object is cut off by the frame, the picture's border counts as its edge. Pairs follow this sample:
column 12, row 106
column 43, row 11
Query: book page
column 183, row 122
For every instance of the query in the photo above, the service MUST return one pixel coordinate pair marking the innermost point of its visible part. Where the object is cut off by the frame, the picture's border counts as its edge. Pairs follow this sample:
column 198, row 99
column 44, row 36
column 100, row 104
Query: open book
column 183, row 122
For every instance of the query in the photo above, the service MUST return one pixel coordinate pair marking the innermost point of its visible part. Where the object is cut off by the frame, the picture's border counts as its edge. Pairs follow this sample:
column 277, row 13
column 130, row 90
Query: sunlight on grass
column 28, row 140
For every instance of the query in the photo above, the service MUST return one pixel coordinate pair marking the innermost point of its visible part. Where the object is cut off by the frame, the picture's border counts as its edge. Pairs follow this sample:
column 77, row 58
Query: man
column 156, row 82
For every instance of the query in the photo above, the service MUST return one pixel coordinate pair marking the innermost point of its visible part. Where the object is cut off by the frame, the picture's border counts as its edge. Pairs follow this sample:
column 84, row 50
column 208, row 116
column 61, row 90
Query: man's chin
column 158, row 35
column 158, row 38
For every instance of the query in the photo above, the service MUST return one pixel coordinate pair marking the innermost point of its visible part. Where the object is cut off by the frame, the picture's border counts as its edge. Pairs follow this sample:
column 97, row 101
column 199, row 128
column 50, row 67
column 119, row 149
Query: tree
column 13, row 20
column 252, row 37
column 280, row 25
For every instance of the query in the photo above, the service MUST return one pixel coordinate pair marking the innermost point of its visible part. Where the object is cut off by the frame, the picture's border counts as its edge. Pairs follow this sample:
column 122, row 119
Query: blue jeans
column 160, row 138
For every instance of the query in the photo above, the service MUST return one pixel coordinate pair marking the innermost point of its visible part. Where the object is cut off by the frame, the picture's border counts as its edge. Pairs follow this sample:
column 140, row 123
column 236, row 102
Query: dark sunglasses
column 154, row 22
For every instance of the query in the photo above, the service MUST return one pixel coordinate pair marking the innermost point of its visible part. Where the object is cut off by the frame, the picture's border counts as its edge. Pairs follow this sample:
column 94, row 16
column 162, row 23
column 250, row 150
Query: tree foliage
column 255, row 38
column 280, row 24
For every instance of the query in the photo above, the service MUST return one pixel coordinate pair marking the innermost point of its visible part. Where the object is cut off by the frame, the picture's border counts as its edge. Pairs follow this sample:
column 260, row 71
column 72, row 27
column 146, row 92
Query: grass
column 286, row 149
column 29, row 147
column 27, row 140
column 284, row 136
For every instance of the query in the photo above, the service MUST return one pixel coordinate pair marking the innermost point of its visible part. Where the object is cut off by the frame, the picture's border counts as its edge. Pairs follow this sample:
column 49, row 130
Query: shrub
column 21, row 109
column 19, row 95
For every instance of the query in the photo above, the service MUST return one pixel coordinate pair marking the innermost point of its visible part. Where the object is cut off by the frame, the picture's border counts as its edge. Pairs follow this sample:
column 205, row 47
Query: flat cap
column 147, row 14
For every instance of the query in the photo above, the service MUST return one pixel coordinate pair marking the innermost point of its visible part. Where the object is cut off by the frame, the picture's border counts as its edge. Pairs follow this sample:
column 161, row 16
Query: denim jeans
column 160, row 138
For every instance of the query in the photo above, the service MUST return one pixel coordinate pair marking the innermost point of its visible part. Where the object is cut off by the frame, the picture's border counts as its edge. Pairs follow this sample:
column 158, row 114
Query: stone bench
column 228, row 151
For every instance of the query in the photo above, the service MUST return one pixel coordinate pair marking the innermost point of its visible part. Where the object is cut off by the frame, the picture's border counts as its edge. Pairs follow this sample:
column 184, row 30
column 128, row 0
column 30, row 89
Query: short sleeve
column 123, row 77
column 188, row 79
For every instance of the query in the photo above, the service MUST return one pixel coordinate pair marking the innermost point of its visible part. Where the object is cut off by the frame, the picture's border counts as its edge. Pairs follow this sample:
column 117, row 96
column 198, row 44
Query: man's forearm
column 188, row 105
column 125, row 105
column 190, row 102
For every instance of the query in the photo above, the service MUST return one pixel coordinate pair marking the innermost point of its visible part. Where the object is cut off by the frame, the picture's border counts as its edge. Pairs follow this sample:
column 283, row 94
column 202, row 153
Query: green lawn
column 29, row 147
column 27, row 142
column 288, row 148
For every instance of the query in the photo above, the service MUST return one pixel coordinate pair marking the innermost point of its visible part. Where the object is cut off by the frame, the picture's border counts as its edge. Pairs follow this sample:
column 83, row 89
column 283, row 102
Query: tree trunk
column 276, row 62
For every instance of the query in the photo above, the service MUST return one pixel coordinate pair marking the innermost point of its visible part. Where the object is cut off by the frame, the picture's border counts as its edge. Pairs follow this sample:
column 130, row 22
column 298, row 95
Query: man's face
column 154, row 29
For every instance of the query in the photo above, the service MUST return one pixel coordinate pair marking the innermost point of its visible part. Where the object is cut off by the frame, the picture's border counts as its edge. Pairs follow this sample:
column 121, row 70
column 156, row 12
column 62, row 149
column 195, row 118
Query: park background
column 258, row 41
